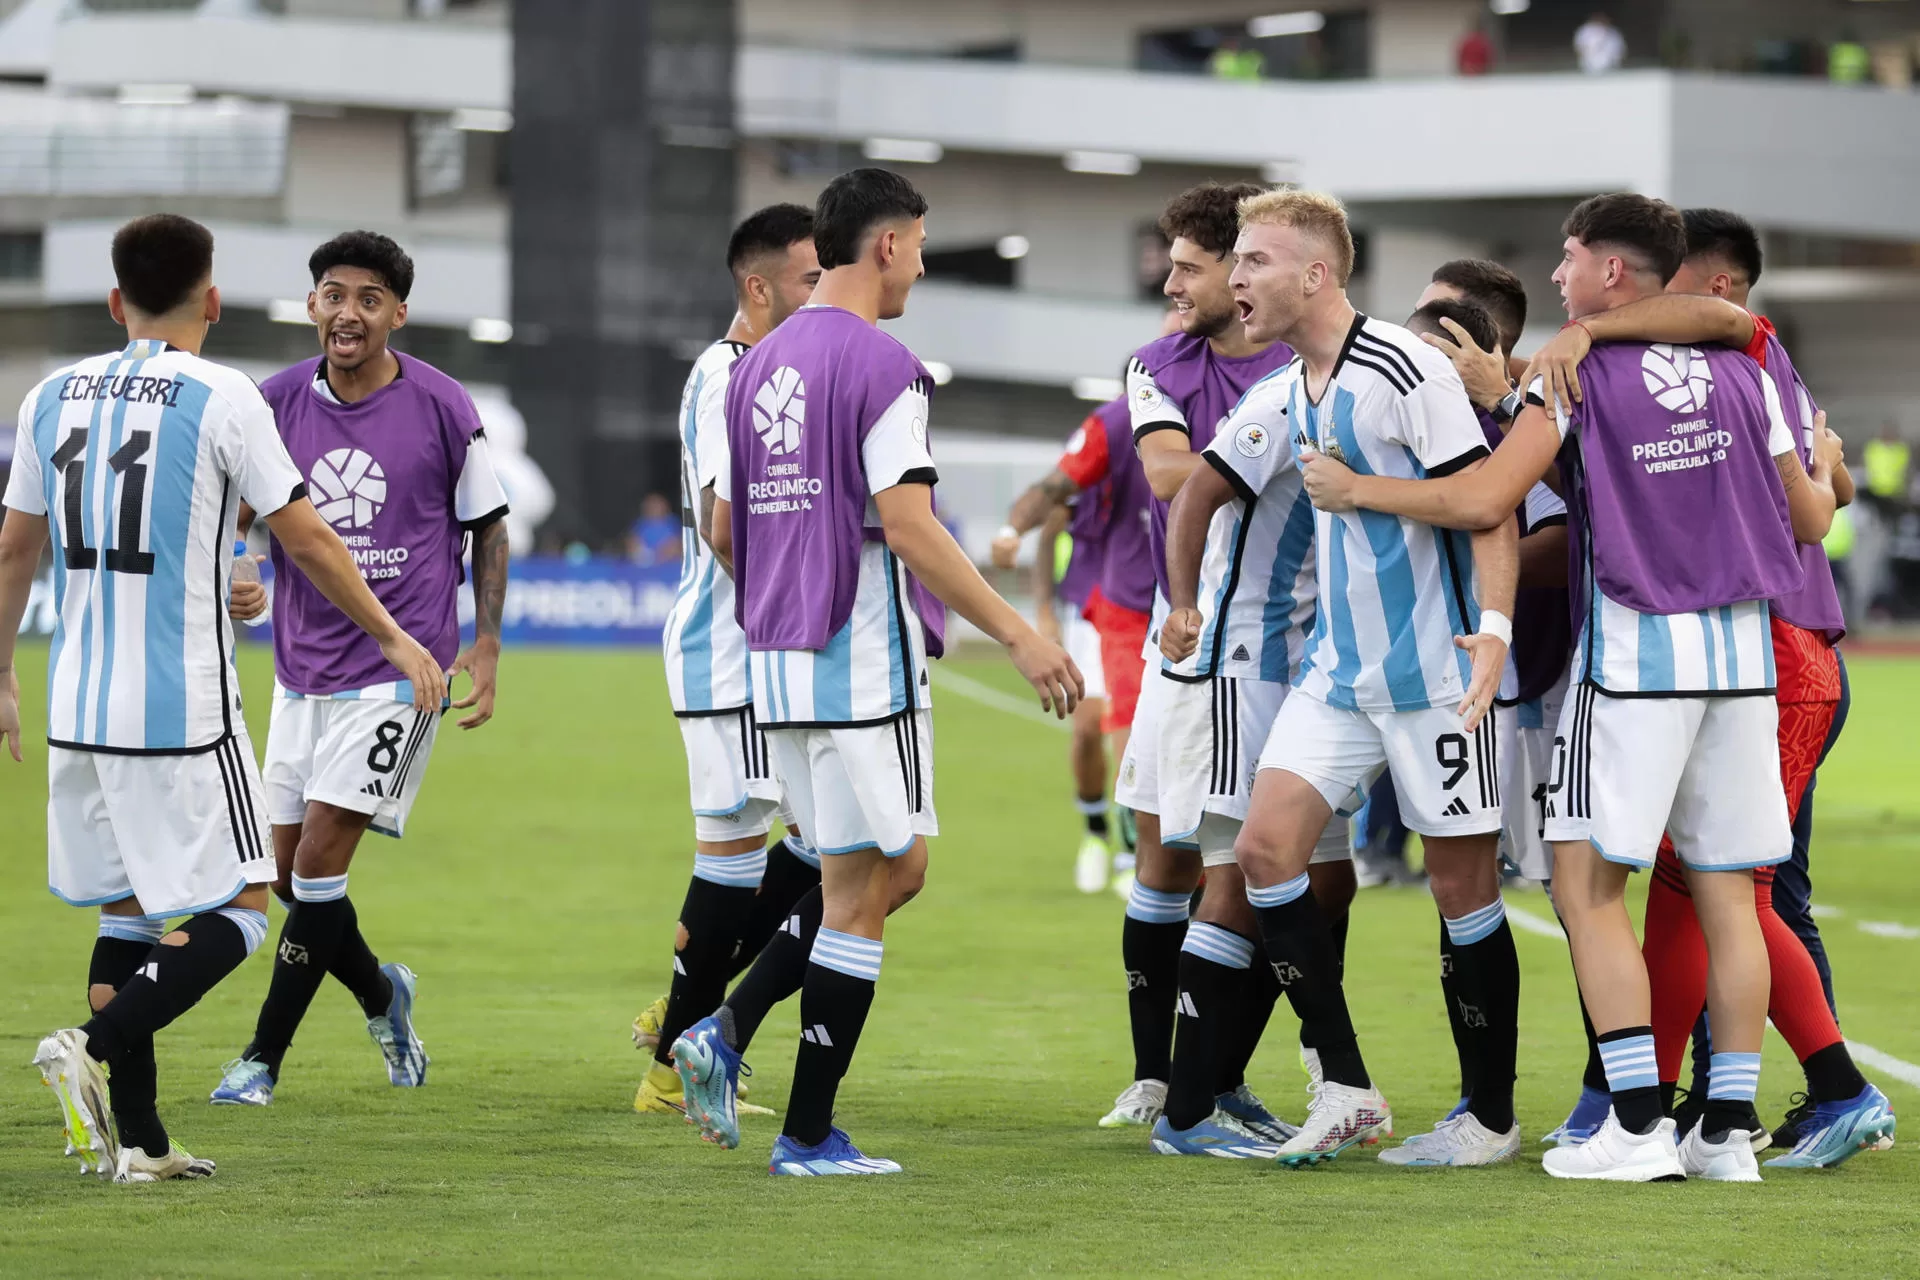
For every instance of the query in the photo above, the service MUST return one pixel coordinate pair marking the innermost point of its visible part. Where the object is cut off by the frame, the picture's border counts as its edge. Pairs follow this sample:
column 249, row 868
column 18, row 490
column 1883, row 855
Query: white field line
column 1887, row 929
column 1545, row 926
column 1886, row 1063
column 988, row 696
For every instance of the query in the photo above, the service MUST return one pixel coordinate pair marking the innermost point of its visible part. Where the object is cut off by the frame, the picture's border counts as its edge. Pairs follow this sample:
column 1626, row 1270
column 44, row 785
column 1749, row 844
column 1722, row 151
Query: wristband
column 1008, row 531
column 1497, row 624
column 1510, row 405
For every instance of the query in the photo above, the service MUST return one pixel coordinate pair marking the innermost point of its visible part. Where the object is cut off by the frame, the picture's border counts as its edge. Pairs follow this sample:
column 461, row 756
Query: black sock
column 135, row 1077
column 1486, row 1009
column 1211, row 995
column 1637, row 1107
column 710, row 921
column 170, row 981
column 359, row 969
column 1301, row 950
column 1337, row 928
column 788, row 878
column 1150, row 950
column 1702, row 1056
column 1094, row 810
column 1463, row 1044
column 1595, row 1076
column 778, row 972
column 1259, row 990
column 833, row 1010
column 309, row 941
column 1831, row 1075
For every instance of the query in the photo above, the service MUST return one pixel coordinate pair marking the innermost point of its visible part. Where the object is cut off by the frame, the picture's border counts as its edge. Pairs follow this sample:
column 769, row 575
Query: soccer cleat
column 1122, row 883
column 1728, row 1160
column 646, row 1027
column 1140, row 1103
column 135, row 1165
column 1614, row 1155
column 660, row 1093
column 1836, row 1131
column 1458, row 1142
column 1459, row 1109
column 244, row 1082
column 1310, row 1064
column 1587, row 1115
column 1090, row 864
column 406, row 1056
column 1244, row 1105
column 1339, row 1116
column 709, row 1071
column 1220, row 1134
column 1799, row 1111
column 86, row 1107
column 835, row 1155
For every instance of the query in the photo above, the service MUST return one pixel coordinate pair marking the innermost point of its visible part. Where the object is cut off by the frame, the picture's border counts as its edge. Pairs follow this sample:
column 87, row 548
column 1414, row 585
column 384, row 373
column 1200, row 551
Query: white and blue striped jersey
column 704, row 647
column 1393, row 592
column 874, row 668
column 141, row 458
column 1256, row 591
column 1723, row 651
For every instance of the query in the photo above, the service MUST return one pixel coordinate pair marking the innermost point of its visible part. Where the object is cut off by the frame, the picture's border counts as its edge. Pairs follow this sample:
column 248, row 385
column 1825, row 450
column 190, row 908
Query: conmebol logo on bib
column 349, row 488
column 1678, row 377
column 780, row 410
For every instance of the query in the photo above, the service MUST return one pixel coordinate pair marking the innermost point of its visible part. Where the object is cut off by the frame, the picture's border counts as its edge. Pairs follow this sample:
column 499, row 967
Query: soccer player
column 1062, row 594
column 1179, row 389
column 830, row 483
column 1409, row 643
column 138, row 460
column 1842, row 1113
column 1672, row 724
column 743, row 886
column 395, row 451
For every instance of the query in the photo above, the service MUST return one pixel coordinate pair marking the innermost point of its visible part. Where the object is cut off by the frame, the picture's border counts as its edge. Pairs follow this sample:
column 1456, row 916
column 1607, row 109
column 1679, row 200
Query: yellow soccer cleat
column 646, row 1027
column 660, row 1093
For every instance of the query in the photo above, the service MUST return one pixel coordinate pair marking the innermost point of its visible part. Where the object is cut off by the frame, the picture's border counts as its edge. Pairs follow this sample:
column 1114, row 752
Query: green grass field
column 536, row 894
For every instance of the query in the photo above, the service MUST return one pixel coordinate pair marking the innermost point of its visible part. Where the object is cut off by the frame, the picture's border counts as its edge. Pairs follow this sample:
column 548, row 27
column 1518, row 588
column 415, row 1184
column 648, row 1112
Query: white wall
column 1417, row 37
column 351, row 170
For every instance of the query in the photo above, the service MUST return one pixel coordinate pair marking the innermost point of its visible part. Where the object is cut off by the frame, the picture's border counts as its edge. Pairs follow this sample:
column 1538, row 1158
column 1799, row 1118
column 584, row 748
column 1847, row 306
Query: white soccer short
column 1082, row 643
column 729, row 776
column 1211, row 734
column 859, row 788
column 1138, row 788
column 1705, row 769
column 364, row 755
column 181, row 833
column 1526, row 734
column 1447, row 780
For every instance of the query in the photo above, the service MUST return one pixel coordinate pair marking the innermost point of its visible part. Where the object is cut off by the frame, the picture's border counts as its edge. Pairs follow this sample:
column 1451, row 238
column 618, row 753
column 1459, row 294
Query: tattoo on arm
column 1041, row 497
column 1790, row 472
column 490, row 578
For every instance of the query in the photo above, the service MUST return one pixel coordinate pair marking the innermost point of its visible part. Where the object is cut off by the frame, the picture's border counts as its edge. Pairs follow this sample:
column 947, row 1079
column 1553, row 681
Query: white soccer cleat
column 135, row 1165
column 1455, row 1143
column 1614, row 1155
column 1140, row 1103
column 1728, row 1160
column 86, row 1107
column 1339, row 1116
column 1090, row 864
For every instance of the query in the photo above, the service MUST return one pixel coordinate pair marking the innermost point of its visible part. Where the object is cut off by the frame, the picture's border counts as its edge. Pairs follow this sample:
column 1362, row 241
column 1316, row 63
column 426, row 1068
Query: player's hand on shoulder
column 481, row 662
column 1483, row 373
column 10, row 711
column 1489, row 654
column 1329, row 482
column 1050, row 671
column 1558, row 364
column 1180, row 634
column 417, row 666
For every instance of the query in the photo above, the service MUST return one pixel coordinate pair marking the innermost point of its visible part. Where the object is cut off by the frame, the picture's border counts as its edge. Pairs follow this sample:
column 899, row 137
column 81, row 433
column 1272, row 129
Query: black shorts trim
column 874, row 723
column 717, row 711
column 1623, row 694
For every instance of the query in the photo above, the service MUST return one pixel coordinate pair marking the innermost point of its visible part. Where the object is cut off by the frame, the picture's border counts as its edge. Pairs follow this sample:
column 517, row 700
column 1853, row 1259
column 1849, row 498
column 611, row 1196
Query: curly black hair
column 370, row 251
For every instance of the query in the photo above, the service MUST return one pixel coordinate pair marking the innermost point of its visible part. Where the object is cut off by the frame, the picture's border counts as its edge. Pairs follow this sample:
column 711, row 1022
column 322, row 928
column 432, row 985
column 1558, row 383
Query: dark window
column 1338, row 51
column 971, row 264
column 1151, row 263
column 20, row 255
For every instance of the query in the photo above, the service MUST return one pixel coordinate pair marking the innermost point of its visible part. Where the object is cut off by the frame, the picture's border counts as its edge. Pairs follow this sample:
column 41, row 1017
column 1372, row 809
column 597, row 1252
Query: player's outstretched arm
column 1496, row 567
column 1044, row 619
column 311, row 543
column 1479, row 497
column 481, row 659
column 1167, row 456
column 1204, row 493
column 1665, row 317
column 923, row 543
column 21, row 538
column 1032, row 509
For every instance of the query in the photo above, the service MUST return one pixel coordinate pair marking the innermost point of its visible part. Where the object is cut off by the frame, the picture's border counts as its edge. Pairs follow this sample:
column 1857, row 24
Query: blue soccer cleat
column 1583, row 1121
column 834, row 1156
column 1244, row 1105
column 709, row 1071
column 406, row 1056
column 244, row 1082
column 1837, row 1130
column 1220, row 1134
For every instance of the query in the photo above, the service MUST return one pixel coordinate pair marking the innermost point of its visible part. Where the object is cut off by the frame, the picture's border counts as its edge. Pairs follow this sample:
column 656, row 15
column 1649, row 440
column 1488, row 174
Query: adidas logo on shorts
column 1458, row 809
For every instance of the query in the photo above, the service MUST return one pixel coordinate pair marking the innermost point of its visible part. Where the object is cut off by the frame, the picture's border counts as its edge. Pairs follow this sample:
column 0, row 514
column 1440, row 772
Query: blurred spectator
column 655, row 536
column 1887, row 458
column 529, row 493
column 1903, row 564
column 1847, row 61
column 1473, row 56
column 1233, row 62
column 1839, row 547
column 1599, row 45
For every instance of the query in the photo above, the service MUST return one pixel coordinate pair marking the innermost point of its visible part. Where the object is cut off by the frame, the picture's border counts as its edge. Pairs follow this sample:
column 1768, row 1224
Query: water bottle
column 247, row 569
